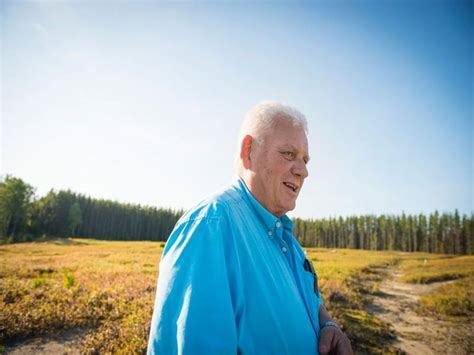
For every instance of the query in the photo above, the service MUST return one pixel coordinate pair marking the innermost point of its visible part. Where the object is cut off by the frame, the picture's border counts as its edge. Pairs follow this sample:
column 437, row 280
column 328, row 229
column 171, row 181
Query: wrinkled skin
column 269, row 167
column 331, row 339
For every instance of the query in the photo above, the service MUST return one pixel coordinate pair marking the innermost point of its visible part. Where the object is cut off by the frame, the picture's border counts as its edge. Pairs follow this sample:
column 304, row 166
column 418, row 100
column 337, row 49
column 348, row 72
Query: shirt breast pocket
column 310, row 285
column 310, row 273
column 311, row 291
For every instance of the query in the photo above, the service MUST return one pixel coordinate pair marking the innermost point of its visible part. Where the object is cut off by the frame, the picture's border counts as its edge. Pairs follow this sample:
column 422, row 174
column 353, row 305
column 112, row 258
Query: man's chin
column 290, row 207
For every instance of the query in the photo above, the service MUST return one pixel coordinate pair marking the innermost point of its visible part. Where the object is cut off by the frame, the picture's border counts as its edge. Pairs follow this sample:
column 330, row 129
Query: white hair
column 262, row 117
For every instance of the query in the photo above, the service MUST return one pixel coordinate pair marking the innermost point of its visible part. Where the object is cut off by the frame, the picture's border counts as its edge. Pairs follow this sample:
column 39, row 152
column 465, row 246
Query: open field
column 97, row 296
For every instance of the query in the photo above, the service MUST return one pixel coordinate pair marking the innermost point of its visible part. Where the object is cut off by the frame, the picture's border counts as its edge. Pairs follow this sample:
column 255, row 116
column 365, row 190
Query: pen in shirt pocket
column 308, row 266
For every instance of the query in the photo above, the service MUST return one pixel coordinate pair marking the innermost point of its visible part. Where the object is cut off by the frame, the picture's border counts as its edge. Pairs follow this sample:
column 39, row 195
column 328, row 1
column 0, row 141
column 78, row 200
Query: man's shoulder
column 218, row 205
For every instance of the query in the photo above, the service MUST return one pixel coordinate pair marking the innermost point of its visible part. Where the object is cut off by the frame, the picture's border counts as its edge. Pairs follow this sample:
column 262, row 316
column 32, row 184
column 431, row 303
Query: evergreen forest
column 23, row 217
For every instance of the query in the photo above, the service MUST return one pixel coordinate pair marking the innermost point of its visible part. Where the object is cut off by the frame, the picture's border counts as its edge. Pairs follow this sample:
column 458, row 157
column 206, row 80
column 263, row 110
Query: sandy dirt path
column 419, row 335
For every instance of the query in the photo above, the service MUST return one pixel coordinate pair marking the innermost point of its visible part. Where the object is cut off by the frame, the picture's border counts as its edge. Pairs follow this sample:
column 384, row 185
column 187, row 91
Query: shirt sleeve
column 193, row 310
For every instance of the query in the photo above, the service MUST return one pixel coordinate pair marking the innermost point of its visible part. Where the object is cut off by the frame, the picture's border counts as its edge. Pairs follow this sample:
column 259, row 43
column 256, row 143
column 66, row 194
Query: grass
column 348, row 278
column 108, row 288
column 436, row 268
column 453, row 299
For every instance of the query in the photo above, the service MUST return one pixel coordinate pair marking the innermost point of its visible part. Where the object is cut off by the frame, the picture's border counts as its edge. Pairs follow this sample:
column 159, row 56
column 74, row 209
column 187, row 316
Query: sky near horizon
column 141, row 101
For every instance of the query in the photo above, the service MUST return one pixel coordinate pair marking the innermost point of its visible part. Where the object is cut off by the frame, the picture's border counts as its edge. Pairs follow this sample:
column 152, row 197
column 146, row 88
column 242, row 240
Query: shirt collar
column 270, row 221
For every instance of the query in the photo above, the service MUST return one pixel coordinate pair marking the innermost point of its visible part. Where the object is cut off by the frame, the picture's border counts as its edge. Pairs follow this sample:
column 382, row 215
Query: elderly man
column 233, row 279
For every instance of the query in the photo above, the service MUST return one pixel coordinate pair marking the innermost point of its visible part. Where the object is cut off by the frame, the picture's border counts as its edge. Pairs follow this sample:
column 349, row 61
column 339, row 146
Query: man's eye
column 288, row 155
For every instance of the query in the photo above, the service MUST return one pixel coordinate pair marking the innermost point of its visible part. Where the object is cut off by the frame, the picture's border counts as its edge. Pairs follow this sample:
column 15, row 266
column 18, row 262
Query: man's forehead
column 287, row 128
column 287, row 132
column 284, row 131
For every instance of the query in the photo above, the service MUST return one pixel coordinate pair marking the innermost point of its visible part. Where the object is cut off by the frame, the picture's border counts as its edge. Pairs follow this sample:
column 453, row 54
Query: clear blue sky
column 141, row 101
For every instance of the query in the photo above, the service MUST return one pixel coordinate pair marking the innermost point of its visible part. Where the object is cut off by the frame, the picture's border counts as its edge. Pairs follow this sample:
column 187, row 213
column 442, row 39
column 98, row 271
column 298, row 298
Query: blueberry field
column 89, row 296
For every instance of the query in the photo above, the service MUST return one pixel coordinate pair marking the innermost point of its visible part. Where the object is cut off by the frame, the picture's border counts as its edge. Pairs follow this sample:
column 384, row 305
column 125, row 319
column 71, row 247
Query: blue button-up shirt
column 232, row 280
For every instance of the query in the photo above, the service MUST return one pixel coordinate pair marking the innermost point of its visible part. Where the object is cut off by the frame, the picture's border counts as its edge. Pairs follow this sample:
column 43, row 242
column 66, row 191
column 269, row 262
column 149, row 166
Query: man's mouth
column 291, row 186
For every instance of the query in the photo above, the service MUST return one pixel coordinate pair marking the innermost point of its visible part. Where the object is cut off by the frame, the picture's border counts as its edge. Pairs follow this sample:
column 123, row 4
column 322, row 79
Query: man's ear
column 245, row 149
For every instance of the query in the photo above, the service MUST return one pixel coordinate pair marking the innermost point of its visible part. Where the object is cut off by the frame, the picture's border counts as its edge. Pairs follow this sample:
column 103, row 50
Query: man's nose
column 300, row 169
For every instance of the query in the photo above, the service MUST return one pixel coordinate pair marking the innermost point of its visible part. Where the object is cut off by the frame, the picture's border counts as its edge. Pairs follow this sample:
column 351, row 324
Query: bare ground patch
column 396, row 304
column 67, row 342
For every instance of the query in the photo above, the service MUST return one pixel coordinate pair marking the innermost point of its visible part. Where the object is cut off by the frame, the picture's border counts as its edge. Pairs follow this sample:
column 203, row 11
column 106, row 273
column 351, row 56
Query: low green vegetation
column 348, row 278
column 453, row 299
column 107, row 289
column 436, row 268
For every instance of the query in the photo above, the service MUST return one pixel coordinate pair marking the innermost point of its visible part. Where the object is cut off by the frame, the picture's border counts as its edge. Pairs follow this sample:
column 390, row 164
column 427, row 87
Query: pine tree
column 74, row 217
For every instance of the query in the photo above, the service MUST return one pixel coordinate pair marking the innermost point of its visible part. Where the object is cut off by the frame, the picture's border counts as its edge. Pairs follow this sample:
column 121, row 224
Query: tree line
column 446, row 233
column 65, row 213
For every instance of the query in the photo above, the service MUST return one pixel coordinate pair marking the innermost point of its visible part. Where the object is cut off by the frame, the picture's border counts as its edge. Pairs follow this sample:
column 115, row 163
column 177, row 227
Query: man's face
column 278, row 167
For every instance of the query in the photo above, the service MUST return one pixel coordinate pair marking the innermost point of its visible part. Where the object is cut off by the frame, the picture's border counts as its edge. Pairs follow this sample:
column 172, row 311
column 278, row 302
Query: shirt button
column 270, row 233
column 284, row 249
column 278, row 224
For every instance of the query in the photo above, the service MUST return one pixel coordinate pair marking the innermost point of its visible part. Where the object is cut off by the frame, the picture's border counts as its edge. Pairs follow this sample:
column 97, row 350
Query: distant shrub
column 38, row 282
column 68, row 280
